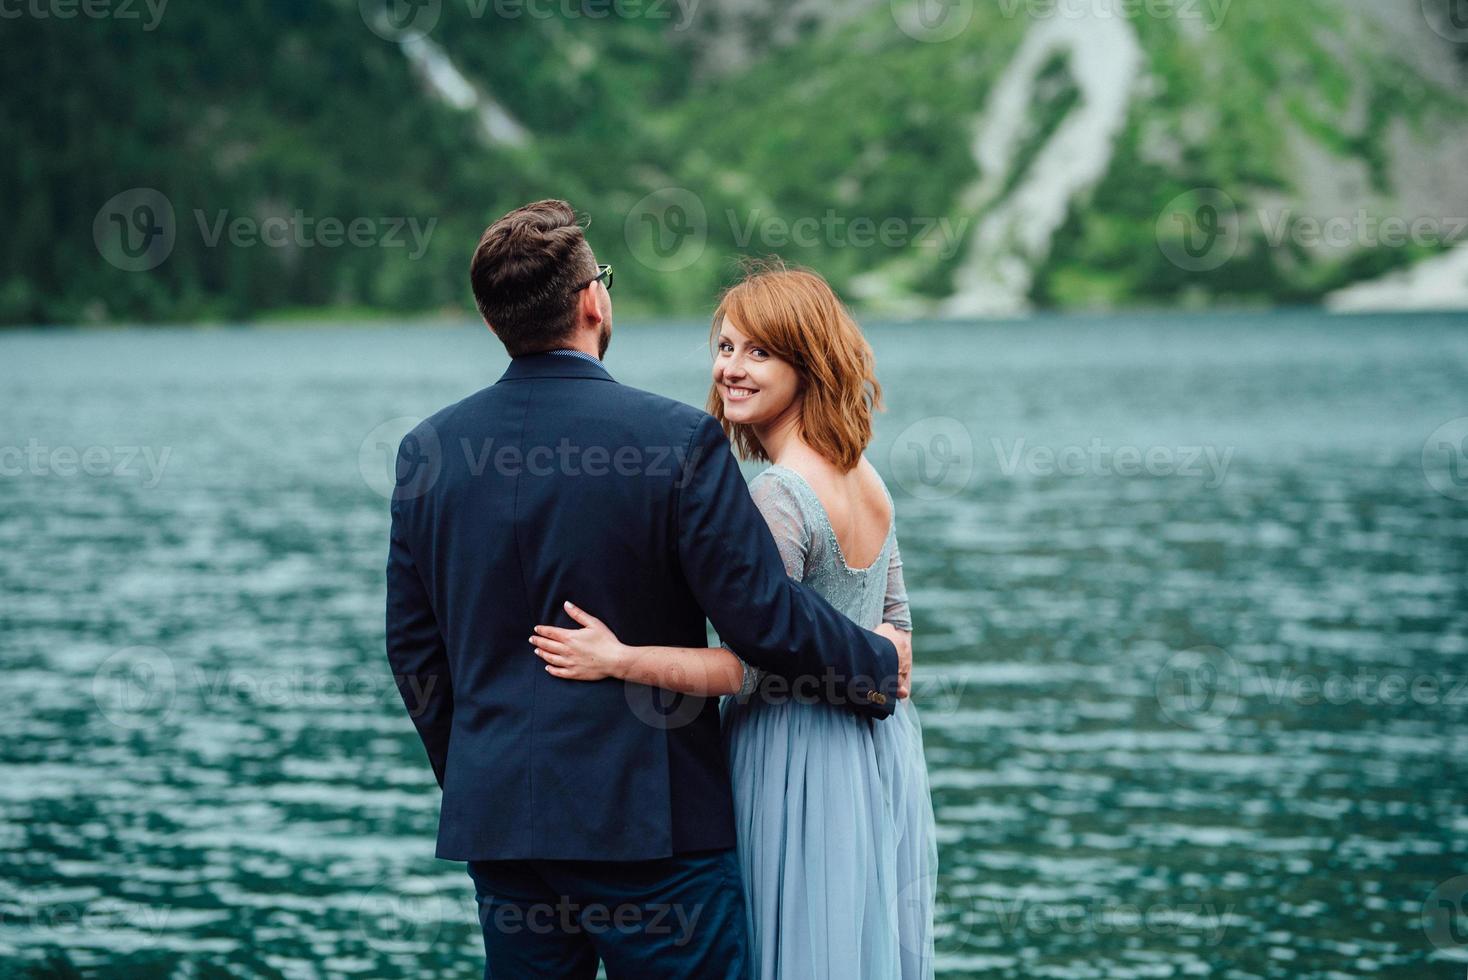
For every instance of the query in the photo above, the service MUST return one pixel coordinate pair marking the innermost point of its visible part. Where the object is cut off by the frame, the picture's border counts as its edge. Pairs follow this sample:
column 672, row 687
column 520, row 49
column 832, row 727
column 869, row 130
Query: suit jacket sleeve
column 736, row 573
column 416, row 650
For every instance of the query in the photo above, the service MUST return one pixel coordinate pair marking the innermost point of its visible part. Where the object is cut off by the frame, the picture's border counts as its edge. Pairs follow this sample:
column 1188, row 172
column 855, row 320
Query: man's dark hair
column 524, row 274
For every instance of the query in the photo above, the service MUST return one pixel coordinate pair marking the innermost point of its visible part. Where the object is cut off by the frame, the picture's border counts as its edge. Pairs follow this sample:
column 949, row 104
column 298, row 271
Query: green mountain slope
column 1005, row 166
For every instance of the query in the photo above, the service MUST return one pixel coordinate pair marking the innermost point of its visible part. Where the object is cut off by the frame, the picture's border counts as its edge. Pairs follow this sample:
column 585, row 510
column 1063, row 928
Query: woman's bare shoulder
column 875, row 496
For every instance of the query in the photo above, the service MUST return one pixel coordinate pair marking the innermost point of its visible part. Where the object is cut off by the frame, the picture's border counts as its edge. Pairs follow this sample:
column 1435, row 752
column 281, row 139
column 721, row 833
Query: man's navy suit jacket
column 558, row 483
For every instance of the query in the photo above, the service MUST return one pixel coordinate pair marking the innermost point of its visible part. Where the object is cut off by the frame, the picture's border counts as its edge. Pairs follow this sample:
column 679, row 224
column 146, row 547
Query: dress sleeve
column 780, row 508
column 895, row 609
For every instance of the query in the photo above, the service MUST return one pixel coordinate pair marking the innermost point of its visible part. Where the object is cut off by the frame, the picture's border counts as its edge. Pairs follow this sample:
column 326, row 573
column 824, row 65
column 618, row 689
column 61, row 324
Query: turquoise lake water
column 1191, row 606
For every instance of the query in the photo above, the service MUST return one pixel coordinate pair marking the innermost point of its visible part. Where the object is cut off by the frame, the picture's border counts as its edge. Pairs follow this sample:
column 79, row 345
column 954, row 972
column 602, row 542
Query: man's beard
column 603, row 338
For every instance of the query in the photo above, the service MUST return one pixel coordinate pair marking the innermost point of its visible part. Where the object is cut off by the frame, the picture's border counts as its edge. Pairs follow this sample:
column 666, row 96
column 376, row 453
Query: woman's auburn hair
column 794, row 314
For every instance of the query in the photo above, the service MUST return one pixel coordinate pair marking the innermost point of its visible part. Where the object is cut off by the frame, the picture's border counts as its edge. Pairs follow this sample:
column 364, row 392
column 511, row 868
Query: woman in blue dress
column 834, row 821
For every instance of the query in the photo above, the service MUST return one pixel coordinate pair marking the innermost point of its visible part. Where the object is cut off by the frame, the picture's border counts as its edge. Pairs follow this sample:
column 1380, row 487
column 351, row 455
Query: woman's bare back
column 856, row 504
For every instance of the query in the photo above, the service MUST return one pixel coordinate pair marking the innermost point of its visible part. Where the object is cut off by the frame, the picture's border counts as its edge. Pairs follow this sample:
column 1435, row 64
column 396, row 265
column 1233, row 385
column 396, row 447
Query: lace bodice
column 797, row 518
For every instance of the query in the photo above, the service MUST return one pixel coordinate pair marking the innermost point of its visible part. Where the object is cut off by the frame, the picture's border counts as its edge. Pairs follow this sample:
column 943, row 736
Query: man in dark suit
column 597, row 825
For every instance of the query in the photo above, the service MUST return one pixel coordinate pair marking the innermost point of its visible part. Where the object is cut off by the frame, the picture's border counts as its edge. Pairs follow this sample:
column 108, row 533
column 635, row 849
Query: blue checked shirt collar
column 568, row 352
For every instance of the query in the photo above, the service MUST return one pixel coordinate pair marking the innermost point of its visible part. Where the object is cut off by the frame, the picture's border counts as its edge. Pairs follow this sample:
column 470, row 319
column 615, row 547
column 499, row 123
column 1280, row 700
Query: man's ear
column 589, row 311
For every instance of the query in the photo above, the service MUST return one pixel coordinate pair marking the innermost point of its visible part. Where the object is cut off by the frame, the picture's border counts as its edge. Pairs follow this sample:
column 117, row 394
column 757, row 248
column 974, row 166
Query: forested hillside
column 345, row 155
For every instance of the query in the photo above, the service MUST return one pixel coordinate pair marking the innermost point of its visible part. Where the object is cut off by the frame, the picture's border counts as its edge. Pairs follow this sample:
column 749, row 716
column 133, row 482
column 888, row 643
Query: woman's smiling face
column 754, row 384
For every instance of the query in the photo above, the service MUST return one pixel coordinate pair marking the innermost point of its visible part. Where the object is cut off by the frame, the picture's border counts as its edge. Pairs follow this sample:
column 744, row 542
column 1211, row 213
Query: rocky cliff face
column 1118, row 152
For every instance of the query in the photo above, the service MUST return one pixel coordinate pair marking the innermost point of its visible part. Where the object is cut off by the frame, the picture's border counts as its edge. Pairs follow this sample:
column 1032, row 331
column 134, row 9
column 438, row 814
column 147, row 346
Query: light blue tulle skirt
column 836, row 840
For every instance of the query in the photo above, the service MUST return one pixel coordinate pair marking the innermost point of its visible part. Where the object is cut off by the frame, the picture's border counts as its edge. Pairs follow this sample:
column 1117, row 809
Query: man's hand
column 902, row 640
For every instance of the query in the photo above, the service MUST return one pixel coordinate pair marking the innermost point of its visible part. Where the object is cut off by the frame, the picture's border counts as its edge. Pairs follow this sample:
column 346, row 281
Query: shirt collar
column 571, row 352
column 556, row 364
